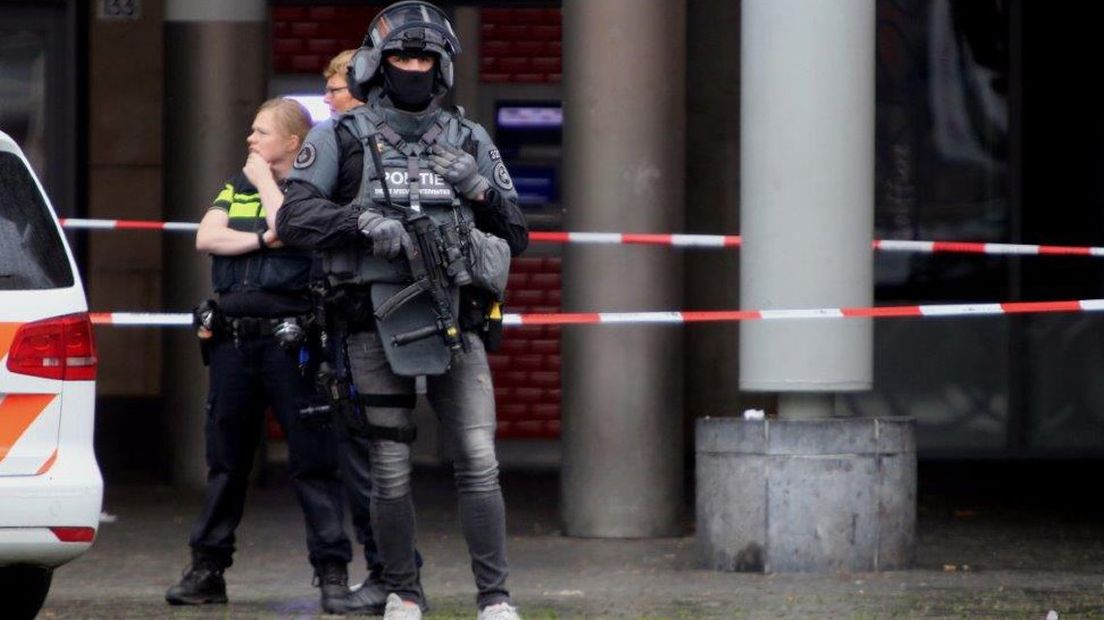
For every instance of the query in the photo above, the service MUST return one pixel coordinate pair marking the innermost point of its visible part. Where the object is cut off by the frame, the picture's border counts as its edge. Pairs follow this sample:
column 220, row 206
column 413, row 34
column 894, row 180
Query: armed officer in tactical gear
column 416, row 217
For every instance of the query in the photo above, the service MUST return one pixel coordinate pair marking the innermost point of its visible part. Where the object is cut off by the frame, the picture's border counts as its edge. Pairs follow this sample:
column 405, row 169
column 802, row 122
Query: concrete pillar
column 465, row 91
column 806, row 492
column 624, row 62
column 216, row 64
column 807, row 192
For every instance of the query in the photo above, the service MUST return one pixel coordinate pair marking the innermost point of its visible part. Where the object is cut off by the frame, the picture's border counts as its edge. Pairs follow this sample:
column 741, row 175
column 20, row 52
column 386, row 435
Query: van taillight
column 57, row 348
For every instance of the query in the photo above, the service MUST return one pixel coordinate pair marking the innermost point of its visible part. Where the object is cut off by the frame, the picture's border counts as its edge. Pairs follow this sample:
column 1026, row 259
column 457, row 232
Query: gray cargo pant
column 463, row 400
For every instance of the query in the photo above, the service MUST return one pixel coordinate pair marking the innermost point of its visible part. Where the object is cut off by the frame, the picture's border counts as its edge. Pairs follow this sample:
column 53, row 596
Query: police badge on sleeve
column 502, row 177
column 306, row 156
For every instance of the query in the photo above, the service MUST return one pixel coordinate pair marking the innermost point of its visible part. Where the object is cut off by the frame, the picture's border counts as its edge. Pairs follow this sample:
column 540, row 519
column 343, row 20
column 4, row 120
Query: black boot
column 369, row 598
column 202, row 584
column 332, row 579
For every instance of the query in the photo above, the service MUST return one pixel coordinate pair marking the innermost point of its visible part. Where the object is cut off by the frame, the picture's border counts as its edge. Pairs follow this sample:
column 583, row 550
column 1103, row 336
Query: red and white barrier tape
column 600, row 238
column 141, row 319
column 967, row 247
column 678, row 240
column 76, row 223
column 706, row 316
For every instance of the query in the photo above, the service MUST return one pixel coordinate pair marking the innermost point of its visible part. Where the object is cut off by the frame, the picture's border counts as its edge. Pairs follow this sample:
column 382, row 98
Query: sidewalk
column 982, row 553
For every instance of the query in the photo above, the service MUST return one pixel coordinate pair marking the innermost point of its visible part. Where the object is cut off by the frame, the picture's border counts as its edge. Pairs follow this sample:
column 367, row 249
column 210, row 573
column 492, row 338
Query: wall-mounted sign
column 120, row 9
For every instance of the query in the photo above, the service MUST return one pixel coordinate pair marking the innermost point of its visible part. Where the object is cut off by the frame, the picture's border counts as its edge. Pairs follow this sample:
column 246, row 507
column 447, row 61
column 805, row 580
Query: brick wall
column 516, row 45
column 304, row 39
column 526, row 369
column 520, row 45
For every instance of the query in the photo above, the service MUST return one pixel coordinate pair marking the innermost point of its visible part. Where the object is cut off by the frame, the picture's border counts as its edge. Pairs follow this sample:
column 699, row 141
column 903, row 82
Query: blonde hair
column 339, row 64
column 290, row 116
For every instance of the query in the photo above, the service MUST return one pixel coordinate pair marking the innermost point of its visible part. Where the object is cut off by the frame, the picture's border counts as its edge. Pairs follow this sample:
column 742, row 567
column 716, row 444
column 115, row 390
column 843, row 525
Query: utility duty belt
column 289, row 332
column 212, row 325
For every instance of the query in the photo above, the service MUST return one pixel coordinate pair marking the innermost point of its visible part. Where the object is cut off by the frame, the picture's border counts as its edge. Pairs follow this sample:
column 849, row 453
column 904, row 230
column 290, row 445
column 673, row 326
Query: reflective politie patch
column 502, row 177
column 433, row 188
column 306, row 156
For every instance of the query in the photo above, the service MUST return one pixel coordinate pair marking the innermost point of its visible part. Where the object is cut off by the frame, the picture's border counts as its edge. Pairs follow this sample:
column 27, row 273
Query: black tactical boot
column 368, row 598
column 332, row 579
column 202, row 584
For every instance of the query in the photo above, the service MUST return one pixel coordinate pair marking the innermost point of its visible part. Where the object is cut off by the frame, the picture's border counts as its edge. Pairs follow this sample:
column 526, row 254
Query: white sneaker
column 398, row 609
column 499, row 611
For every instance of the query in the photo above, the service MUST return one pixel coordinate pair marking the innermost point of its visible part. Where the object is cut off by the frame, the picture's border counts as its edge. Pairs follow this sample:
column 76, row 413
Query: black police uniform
column 249, row 370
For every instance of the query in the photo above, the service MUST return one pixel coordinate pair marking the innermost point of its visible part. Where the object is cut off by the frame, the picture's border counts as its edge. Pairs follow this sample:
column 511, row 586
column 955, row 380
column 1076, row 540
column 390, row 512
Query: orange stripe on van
column 48, row 464
column 17, row 412
column 7, row 333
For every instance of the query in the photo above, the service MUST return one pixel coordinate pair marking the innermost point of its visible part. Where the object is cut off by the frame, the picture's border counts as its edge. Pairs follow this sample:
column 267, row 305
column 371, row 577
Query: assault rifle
column 437, row 263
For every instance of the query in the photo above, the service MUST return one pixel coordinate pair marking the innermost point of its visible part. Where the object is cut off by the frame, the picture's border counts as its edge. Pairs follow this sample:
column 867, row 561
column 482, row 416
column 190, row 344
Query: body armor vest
column 410, row 183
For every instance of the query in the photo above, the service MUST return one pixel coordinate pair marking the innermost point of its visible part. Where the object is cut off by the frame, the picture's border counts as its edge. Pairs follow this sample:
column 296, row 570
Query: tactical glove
column 388, row 235
column 459, row 169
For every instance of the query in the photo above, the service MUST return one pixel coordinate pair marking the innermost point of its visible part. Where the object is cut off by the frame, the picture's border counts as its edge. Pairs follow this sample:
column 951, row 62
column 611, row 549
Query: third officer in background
column 416, row 217
column 336, row 93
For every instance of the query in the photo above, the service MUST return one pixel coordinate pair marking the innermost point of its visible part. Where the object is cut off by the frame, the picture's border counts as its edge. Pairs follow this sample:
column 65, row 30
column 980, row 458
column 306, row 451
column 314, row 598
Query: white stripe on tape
column 150, row 318
column 961, row 309
column 893, row 245
column 594, row 237
column 1011, row 248
column 701, row 241
column 640, row 317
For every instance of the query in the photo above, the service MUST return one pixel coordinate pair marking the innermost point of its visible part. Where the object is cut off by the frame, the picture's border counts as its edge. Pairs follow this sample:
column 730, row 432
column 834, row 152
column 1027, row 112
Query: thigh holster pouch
column 400, row 434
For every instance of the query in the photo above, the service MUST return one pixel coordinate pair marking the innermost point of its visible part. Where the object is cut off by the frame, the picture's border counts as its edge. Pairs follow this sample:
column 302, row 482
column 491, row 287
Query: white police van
column 51, row 489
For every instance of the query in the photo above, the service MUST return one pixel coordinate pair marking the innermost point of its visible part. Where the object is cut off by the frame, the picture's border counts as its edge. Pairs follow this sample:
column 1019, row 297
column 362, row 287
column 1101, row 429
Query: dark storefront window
column 985, row 132
column 942, row 145
column 40, row 92
column 23, row 92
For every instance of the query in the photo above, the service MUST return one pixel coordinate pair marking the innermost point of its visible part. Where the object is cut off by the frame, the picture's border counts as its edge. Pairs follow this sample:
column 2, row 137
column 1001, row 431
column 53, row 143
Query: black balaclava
column 409, row 90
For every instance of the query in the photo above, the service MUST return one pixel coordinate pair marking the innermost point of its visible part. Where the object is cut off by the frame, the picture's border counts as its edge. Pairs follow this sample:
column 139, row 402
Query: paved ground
column 995, row 541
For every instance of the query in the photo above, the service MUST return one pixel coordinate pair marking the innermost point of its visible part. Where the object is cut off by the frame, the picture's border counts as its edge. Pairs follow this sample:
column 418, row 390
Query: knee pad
column 405, row 433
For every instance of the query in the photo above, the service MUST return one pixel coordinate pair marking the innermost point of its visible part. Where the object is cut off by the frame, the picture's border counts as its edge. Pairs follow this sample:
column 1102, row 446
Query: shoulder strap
column 365, row 132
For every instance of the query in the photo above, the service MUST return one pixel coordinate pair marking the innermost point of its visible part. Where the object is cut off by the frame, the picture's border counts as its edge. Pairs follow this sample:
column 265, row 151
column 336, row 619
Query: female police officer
column 253, row 350
column 402, row 156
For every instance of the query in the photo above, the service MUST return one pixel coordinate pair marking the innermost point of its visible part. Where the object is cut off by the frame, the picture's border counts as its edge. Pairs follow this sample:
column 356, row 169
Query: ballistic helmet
column 410, row 26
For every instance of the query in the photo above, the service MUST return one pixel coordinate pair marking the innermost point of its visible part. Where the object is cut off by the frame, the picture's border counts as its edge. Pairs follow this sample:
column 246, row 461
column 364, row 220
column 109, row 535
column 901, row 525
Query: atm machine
column 529, row 137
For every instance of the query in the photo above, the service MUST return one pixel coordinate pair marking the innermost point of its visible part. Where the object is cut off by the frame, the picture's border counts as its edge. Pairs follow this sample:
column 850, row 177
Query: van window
column 32, row 255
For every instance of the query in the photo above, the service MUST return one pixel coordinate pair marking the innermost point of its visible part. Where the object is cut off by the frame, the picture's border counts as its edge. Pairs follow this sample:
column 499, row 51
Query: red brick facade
column 520, row 45
column 517, row 45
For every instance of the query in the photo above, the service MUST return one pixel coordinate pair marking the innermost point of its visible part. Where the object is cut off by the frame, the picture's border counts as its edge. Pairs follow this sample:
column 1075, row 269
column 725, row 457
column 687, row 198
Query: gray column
column 624, row 62
column 465, row 90
column 806, row 492
column 806, row 200
column 216, row 63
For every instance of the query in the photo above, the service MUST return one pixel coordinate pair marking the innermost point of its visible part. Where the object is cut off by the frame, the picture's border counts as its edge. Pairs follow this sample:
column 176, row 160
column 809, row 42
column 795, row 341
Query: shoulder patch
column 306, row 156
column 494, row 155
column 502, row 177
